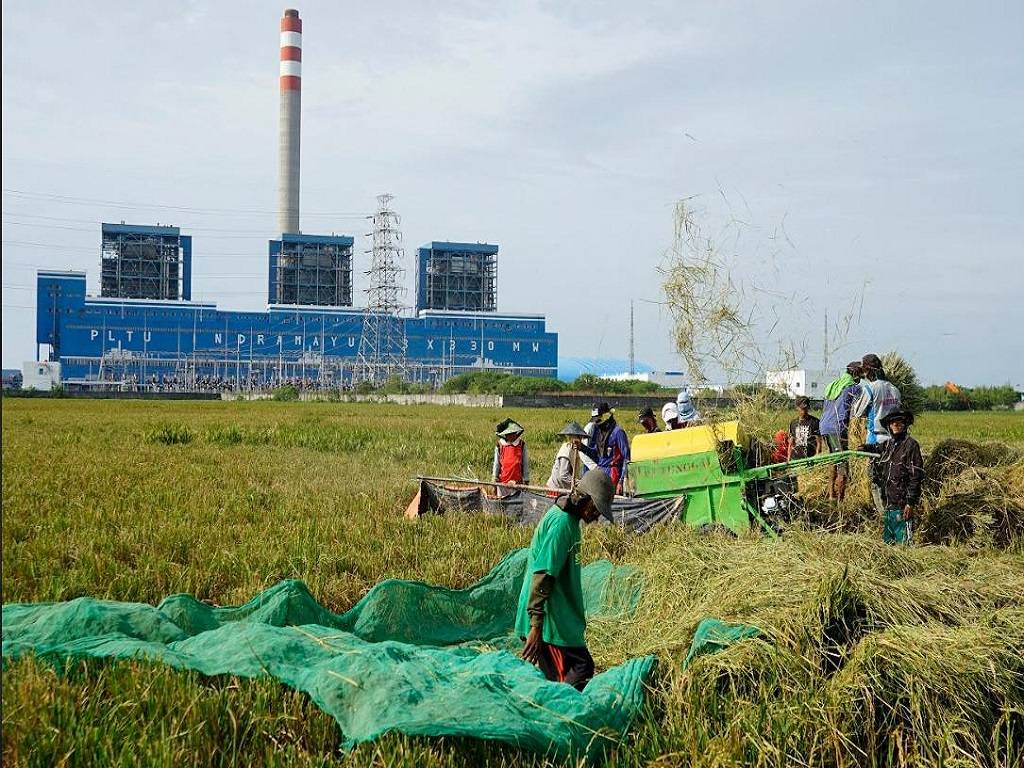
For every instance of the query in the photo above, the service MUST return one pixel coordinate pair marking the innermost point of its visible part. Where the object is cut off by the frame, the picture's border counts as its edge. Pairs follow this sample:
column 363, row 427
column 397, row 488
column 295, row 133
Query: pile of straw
column 978, row 506
column 869, row 654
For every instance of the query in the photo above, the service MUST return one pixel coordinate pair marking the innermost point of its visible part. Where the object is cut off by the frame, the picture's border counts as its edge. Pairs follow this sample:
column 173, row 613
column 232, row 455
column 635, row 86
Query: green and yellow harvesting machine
column 714, row 467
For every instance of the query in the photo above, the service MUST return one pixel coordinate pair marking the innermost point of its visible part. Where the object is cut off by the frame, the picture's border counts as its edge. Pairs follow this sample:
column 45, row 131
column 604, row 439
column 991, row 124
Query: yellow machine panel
column 682, row 442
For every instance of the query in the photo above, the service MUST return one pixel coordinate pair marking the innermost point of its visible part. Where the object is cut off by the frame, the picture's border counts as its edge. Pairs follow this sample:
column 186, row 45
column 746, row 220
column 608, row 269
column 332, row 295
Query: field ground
column 136, row 500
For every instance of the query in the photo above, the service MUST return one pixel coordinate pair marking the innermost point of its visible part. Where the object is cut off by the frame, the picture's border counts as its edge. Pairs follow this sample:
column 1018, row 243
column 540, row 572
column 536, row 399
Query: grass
column 875, row 655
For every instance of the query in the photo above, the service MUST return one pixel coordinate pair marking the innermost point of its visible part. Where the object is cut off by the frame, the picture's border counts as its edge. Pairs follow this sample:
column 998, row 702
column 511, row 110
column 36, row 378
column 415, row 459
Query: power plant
column 145, row 330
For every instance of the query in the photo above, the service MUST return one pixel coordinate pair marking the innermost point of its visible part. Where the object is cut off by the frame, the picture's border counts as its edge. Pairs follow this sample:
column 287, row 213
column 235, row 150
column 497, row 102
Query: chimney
column 291, row 108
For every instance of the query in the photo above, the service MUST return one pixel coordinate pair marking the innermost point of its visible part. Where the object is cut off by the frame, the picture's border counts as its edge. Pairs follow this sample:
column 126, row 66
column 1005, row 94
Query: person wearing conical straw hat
column 572, row 459
column 551, row 617
column 511, row 463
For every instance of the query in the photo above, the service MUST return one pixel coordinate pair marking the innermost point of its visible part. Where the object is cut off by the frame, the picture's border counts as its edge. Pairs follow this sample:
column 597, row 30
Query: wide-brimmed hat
column 905, row 416
column 599, row 487
column 572, row 429
column 508, row 427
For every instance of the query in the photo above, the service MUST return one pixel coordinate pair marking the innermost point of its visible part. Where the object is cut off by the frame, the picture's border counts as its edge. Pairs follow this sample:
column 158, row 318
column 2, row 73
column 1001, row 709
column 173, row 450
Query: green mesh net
column 409, row 657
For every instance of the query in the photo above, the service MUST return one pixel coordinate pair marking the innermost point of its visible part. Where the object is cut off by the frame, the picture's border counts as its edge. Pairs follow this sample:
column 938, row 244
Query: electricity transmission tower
column 382, row 346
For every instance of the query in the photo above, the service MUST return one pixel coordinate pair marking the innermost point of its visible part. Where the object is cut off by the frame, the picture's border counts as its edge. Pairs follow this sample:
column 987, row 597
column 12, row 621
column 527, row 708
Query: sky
column 862, row 162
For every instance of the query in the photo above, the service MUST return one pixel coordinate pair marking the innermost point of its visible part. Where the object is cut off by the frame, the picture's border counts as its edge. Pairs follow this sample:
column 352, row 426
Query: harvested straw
column 869, row 654
column 978, row 506
column 901, row 374
column 951, row 457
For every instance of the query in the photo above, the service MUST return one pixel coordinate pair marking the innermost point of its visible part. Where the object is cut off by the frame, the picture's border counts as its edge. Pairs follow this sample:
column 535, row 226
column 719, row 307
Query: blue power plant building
column 144, row 329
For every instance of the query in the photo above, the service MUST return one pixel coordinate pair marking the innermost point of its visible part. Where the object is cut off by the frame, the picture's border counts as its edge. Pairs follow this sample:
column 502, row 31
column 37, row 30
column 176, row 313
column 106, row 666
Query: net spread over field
column 408, row 657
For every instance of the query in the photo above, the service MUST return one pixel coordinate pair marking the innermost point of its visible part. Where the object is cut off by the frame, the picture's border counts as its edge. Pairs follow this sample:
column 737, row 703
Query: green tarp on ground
column 409, row 657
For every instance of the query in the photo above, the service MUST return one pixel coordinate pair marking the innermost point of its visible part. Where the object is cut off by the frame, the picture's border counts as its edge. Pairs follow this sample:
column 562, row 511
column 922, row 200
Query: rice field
column 875, row 656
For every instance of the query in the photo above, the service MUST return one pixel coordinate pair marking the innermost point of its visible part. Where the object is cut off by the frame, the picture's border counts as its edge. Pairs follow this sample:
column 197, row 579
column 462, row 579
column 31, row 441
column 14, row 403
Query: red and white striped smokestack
column 291, row 108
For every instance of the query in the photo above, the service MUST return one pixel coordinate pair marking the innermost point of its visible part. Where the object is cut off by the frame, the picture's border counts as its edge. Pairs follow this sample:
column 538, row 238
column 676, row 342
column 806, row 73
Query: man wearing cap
column 647, row 421
column 572, row 460
column 511, row 464
column 610, row 443
column 551, row 618
column 878, row 398
column 899, row 472
column 835, row 424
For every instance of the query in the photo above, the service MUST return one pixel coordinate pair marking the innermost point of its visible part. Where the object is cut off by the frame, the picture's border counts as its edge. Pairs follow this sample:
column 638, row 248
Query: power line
column 94, row 251
column 96, row 222
column 72, row 200
column 40, row 225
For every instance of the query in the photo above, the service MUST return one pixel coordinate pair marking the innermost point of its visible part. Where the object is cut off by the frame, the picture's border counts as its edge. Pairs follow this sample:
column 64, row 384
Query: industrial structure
column 311, row 270
column 289, row 123
column 144, row 329
column 457, row 276
column 142, row 262
column 383, row 345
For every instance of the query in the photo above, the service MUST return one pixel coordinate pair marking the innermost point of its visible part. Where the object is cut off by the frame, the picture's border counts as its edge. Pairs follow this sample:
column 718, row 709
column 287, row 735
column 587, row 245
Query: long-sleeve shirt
column 835, row 413
column 898, row 470
column 570, row 464
column 877, row 400
column 612, row 453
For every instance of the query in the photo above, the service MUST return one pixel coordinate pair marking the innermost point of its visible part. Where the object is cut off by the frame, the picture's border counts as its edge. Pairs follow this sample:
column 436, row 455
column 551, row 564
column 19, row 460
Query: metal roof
column 288, row 237
column 443, row 245
column 139, row 229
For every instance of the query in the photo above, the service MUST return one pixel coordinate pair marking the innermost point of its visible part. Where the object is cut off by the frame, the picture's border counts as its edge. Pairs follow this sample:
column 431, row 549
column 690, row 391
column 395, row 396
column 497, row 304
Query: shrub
column 287, row 393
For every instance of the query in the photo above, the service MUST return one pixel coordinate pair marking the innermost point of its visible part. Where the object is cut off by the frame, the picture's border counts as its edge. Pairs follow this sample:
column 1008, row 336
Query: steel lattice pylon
column 382, row 346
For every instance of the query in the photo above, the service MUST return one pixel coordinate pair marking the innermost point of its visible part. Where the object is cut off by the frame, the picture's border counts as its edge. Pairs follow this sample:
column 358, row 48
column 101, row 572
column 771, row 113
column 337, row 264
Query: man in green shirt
column 551, row 618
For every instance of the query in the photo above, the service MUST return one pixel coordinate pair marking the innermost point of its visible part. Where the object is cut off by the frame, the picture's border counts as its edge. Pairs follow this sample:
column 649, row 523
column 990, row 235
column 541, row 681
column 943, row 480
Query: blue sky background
column 862, row 159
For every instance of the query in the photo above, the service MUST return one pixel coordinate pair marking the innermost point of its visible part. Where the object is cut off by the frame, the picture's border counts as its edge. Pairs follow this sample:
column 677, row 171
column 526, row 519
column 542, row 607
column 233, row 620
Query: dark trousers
column 562, row 664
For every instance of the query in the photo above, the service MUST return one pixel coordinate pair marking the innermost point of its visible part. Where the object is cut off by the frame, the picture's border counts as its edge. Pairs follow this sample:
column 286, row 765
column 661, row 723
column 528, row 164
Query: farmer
column 572, row 460
column 551, row 619
column 835, row 424
column 647, row 420
column 804, row 433
column 611, row 444
column 878, row 398
column 689, row 416
column 511, row 464
column 899, row 472
column 670, row 415
column 780, row 447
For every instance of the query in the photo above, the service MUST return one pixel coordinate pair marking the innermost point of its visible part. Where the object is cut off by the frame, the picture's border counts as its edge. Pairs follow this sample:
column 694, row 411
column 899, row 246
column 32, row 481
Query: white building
column 797, row 382
column 43, row 376
column 666, row 379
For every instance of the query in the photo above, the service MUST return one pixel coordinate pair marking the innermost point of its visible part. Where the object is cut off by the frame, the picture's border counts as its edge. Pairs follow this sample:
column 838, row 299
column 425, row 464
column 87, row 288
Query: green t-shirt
column 555, row 549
